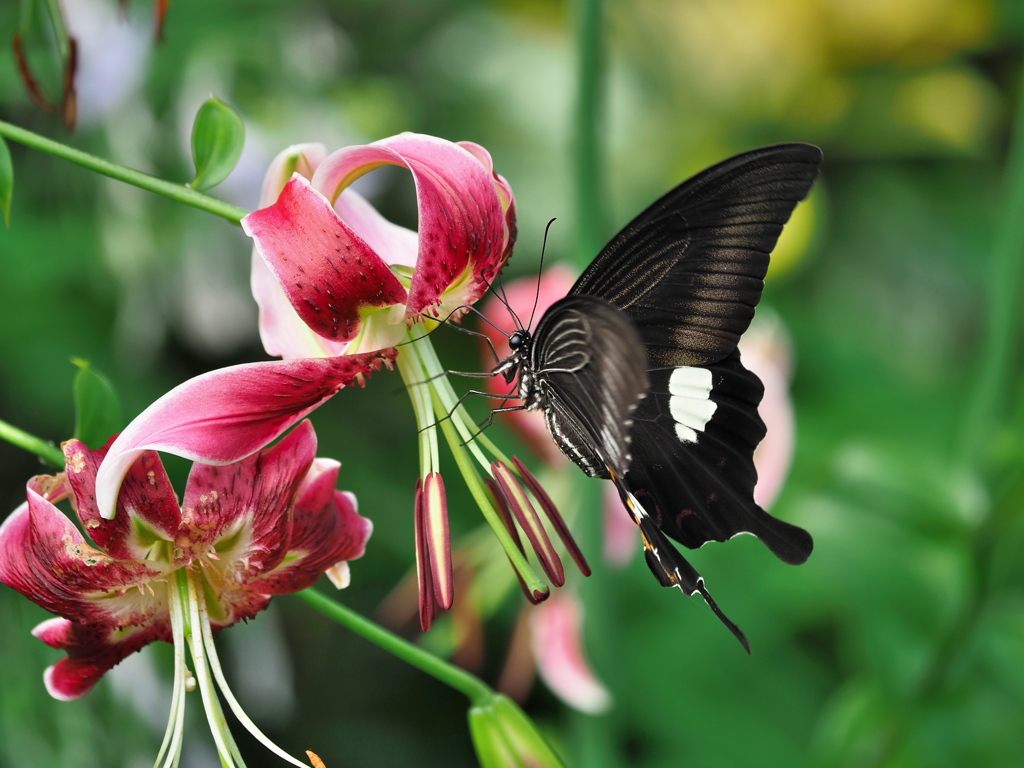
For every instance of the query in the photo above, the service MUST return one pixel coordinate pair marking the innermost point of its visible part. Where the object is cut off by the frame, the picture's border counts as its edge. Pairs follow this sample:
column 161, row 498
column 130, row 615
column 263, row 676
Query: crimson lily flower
column 268, row 525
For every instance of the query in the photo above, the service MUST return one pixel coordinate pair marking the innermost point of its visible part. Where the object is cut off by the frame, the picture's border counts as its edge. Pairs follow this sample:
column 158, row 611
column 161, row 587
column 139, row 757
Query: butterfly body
column 637, row 369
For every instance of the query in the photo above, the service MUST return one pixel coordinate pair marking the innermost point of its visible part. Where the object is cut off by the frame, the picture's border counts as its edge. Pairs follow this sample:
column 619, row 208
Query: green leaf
column 6, row 181
column 97, row 407
column 218, row 135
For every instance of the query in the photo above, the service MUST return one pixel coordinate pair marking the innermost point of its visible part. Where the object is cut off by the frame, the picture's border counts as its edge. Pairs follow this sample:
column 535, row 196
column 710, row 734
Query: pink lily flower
column 270, row 524
column 336, row 277
column 338, row 287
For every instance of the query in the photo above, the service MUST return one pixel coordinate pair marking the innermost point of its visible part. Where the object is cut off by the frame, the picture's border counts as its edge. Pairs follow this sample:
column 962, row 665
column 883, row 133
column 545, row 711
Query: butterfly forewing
column 689, row 270
column 591, row 369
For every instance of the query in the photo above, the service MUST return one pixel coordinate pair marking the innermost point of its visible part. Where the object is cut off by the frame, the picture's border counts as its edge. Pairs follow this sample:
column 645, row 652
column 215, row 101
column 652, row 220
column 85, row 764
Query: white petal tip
column 339, row 574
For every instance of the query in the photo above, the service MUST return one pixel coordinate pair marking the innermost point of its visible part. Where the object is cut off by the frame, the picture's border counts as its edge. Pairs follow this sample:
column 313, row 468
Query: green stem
column 589, row 192
column 1005, row 262
column 48, row 453
column 178, row 192
column 594, row 736
column 478, row 692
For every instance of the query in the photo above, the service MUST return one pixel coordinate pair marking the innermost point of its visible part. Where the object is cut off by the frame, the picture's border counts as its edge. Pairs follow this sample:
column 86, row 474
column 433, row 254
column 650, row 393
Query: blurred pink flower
column 521, row 294
column 557, row 635
column 767, row 350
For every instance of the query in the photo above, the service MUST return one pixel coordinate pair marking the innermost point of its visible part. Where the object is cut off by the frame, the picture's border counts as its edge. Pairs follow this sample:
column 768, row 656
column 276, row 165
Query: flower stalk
column 475, row 689
column 177, row 192
column 51, row 454
column 436, row 404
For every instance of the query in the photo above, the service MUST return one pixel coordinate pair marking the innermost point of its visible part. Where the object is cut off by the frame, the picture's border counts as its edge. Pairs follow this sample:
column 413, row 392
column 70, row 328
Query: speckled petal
column 462, row 224
column 326, row 530
column 92, row 650
column 283, row 332
column 245, row 507
column 45, row 558
column 230, row 413
column 147, row 506
column 330, row 275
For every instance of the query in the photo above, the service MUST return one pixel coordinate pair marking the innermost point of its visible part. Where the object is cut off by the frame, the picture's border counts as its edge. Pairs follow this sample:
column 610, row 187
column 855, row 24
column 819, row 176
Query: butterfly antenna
column 540, row 271
column 503, row 298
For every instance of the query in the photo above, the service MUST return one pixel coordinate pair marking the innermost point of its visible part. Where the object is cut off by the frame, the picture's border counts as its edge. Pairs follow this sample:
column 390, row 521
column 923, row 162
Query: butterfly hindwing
column 689, row 270
column 692, row 441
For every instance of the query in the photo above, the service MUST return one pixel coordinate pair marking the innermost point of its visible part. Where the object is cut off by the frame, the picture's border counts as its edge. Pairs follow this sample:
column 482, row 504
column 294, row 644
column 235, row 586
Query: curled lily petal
column 230, row 413
column 93, row 650
column 329, row 273
column 302, row 159
column 43, row 556
column 282, row 331
column 245, row 504
column 327, row 531
column 462, row 224
column 147, row 509
column 504, row 189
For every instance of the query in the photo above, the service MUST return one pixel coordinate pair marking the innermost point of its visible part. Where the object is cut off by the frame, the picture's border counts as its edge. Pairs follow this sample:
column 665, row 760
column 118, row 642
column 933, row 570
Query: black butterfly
column 637, row 371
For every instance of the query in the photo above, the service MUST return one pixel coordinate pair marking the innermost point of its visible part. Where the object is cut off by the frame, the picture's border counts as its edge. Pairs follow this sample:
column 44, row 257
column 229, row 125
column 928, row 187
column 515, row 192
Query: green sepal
column 504, row 737
column 97, row 406
column 218, row 135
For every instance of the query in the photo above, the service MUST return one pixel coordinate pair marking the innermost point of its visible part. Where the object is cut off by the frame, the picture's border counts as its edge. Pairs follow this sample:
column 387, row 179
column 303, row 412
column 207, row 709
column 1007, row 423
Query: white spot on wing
column 685, row 434
column 690, row 401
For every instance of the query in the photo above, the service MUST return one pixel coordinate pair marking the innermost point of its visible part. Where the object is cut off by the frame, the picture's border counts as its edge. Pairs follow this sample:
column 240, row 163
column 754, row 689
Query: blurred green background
column 901, row 641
